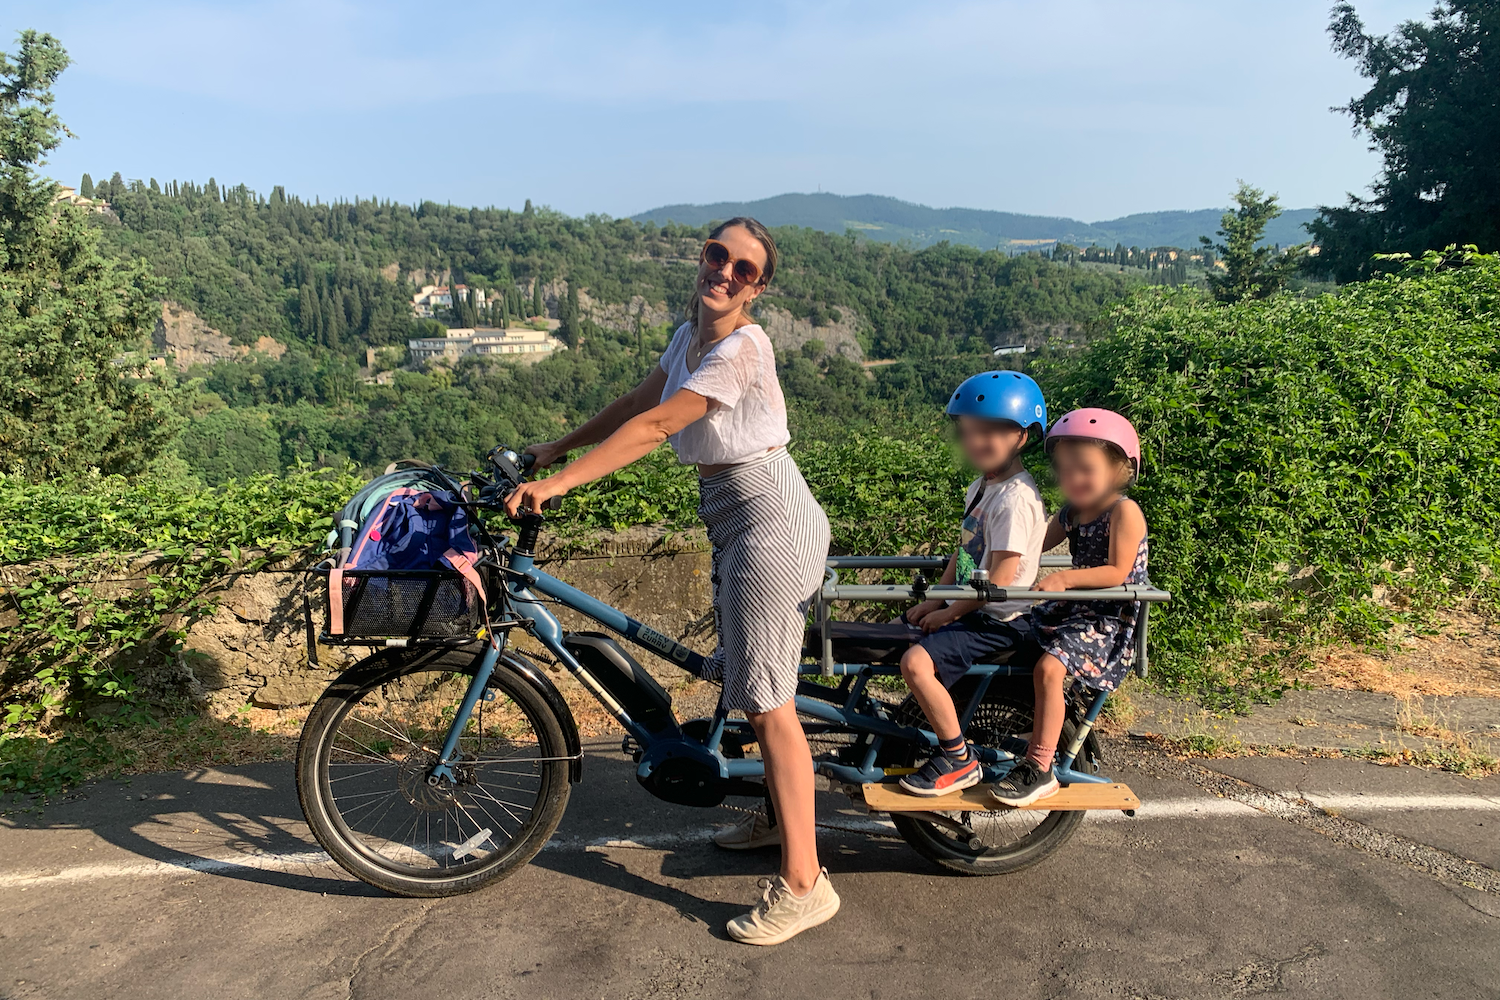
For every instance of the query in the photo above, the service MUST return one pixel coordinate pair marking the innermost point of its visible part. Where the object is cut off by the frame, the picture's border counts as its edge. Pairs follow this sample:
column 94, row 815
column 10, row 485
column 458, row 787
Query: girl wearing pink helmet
column 1096, row 455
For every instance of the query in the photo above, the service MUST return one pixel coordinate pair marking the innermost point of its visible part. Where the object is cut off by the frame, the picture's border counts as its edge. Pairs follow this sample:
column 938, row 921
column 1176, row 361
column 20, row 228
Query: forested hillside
column 330, row 280
column 323, row 274
column 892, row 220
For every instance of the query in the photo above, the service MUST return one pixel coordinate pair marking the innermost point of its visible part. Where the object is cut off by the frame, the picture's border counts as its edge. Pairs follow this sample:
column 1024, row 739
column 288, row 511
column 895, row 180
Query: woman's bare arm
column 636, row 438
column 607, row 421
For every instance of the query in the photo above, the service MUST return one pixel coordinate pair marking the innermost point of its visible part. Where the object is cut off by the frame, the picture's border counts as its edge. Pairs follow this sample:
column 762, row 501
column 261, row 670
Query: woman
column 716, row 399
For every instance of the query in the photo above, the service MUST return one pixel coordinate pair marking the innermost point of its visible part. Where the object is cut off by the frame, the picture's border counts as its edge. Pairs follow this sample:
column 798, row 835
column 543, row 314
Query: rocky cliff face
column 181, row 333
column 789, row 333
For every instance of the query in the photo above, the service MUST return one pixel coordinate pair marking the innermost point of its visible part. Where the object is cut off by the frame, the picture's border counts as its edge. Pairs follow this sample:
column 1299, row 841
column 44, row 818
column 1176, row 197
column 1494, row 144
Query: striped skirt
column 770, row 540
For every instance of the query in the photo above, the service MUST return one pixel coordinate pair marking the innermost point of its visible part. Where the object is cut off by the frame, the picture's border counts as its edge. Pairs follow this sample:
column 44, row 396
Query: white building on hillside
column 434, row 297
column 521, row 344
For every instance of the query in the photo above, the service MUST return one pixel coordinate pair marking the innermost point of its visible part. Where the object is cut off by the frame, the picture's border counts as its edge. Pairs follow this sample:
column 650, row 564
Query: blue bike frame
column 846, row 708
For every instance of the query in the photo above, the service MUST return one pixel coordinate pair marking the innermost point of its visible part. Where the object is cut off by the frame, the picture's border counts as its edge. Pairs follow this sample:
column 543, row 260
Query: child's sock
column 956, row 748
column 1041, row 755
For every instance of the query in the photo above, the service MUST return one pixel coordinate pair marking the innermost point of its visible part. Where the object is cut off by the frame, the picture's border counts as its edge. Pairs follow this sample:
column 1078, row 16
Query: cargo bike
column 444, row 761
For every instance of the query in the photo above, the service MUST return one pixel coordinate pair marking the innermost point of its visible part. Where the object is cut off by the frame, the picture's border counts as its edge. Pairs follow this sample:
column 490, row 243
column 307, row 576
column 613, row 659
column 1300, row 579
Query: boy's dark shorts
column 973, row 639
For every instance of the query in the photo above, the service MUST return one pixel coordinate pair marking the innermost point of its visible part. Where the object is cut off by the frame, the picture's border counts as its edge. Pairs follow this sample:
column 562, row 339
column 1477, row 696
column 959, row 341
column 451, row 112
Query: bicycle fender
column 542, row 684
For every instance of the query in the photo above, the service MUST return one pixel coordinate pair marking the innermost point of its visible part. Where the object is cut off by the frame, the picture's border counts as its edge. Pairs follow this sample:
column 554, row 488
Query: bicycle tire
column 330, row 823
column 1051, row 830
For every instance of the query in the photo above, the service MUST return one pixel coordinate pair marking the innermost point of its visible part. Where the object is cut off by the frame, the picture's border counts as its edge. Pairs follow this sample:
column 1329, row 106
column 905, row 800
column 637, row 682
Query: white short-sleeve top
column 746, row 411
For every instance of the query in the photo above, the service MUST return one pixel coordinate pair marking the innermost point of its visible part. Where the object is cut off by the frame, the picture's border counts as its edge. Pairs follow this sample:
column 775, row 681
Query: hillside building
column 431, row 298
column 518, row 343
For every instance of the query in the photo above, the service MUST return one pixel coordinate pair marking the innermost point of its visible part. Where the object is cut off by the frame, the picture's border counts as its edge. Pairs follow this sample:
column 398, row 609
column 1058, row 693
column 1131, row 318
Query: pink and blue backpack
column 404, row 561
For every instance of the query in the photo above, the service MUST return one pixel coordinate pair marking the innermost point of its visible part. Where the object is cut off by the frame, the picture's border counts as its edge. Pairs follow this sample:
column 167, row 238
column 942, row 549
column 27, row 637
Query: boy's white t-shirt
column 1010, row 518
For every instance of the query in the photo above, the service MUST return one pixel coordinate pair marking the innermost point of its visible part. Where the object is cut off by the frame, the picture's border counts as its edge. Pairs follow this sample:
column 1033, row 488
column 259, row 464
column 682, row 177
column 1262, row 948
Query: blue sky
column 1086, row 109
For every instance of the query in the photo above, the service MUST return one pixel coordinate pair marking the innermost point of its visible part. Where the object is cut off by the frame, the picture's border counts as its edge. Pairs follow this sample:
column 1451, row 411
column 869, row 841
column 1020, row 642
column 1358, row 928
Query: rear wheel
column 994, row 842
column 364, row 758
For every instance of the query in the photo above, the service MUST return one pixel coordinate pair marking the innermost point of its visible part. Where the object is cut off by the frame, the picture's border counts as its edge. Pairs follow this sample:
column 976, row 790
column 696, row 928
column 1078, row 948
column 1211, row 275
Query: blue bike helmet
column 1003, row 395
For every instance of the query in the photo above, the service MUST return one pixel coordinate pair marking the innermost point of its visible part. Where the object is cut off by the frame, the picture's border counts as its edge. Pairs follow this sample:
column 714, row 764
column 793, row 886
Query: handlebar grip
column 552, row 503
column 528, row 461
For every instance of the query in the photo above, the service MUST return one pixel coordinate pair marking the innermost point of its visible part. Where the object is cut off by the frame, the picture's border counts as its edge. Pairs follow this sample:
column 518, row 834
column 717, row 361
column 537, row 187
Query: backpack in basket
column 404, row 562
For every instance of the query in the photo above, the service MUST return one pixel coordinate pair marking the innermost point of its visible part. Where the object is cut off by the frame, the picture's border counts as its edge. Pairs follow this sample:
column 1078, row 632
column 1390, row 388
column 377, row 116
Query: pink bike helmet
column 1093, row 424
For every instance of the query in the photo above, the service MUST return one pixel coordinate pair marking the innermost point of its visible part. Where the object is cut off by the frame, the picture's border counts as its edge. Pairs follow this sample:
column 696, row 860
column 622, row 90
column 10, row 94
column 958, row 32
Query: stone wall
column 253, row 648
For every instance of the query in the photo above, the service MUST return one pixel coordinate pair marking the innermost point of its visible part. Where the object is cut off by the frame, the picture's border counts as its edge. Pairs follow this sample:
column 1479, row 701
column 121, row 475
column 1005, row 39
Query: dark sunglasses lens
column 715, row 254
column 745, row 272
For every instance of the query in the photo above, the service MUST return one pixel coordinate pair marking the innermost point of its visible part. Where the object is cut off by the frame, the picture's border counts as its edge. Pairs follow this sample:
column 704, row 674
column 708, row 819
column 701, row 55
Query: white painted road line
column 184, row 866
column 1402, row 803
column 1162, row 809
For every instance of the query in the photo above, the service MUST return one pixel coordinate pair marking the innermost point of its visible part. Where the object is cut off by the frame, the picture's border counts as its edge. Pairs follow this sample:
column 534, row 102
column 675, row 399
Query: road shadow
column 201, row 820
column 206, row 820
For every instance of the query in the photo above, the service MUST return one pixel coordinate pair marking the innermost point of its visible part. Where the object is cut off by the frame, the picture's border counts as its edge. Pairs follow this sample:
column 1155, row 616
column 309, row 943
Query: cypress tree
column 86, row 186
column 307, row 314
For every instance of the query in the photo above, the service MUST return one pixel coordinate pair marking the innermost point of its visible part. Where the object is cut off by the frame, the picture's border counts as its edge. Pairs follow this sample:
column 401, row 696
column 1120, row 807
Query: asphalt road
column 1348, row 883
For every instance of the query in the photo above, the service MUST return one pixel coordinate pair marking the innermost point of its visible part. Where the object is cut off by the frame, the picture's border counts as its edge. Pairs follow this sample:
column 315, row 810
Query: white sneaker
column 750, row 833
column 780, row 915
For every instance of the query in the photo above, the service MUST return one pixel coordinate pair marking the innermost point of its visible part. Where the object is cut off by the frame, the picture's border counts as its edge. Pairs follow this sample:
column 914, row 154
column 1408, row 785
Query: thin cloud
column 1089, row 108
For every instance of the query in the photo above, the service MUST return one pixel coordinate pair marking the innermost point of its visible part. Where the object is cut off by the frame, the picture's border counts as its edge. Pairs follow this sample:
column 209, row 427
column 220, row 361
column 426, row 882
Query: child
column 1095, row 456
column 1002, row 533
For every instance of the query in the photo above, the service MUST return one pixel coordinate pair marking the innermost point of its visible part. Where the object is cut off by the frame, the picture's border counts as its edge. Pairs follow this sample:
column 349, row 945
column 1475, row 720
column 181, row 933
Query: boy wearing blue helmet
column 1003, row 527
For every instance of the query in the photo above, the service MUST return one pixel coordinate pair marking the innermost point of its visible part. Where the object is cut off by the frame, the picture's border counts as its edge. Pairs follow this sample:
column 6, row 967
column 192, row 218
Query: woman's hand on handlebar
column 547, row 453
column 528, row 498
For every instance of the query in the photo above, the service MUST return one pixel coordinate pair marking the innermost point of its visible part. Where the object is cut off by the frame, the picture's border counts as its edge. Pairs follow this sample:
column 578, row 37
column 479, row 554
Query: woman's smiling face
column 719, row 292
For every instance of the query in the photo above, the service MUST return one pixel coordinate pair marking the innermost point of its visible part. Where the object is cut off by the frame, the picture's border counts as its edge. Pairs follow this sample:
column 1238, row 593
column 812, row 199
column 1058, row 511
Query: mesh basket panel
column 392, row 606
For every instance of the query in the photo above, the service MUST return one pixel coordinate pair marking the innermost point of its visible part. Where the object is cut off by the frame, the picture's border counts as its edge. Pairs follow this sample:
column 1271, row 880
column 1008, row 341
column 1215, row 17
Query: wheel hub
column 419, row 787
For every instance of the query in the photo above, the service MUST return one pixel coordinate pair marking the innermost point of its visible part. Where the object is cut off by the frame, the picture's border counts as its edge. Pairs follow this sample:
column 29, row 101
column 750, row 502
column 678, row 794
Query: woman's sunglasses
column 716, row 255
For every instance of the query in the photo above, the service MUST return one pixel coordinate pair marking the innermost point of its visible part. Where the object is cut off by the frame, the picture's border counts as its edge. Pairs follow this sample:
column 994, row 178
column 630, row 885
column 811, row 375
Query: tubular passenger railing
column 919, row 590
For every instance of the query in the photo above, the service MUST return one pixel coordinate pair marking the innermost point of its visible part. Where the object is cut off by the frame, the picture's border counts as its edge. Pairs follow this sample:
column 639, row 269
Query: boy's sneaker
column 1025, row 784
column 943, row 774
column 780, row 915
column 750, row 833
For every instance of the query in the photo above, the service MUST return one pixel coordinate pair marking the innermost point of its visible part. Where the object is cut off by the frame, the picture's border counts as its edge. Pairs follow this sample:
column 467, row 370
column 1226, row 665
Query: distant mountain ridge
column 892, row 220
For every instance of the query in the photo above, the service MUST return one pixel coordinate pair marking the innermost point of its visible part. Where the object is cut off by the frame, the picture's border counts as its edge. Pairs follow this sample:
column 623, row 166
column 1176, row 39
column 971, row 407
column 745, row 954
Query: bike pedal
column 630, row 748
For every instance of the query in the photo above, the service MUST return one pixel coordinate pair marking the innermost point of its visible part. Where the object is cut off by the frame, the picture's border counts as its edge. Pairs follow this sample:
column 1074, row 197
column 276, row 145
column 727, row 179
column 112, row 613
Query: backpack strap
column 978, row 496
column 336, row 601
column 461, row 562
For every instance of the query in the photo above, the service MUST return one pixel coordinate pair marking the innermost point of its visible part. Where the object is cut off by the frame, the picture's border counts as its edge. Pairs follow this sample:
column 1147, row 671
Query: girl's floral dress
column 1094, row 640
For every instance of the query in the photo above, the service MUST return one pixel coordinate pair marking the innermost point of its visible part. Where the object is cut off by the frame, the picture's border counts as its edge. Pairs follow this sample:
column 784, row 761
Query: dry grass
column 1458, row 755
column 246, row 737
column 1463, row 658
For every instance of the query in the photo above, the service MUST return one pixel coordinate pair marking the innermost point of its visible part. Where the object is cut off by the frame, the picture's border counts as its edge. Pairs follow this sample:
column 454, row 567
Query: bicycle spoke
column 388, row 740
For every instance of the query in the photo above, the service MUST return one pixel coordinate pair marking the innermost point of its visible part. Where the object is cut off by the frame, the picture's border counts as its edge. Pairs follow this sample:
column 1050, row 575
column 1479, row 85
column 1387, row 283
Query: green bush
column 63, row 638
column 1304, row 457
column 1315, row 468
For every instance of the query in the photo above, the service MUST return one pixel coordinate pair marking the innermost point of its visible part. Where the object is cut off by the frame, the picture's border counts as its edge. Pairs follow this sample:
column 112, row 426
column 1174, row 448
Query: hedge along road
column 1232, row 881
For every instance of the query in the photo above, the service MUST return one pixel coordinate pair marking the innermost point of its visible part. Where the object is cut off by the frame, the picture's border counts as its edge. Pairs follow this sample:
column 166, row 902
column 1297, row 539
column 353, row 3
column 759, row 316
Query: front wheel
column 364, row 758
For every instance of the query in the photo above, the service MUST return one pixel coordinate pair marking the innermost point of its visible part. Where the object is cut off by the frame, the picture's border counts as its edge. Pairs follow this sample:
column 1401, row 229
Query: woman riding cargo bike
column 444, row 761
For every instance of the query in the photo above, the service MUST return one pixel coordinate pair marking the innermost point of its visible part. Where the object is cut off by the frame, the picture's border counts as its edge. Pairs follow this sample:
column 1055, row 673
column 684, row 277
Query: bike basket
column 380, row 604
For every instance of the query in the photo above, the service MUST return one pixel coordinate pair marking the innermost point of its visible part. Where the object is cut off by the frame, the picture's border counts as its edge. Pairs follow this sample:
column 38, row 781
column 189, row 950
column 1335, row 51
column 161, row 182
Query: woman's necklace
column 698, row 348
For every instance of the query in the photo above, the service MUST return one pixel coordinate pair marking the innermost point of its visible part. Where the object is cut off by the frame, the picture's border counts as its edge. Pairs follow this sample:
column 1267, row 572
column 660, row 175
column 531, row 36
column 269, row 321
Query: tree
column 570, row 331
column 75, row 392
column 1431, row 112
column 1250, row 271
column 538, row 307
column 86, row 186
